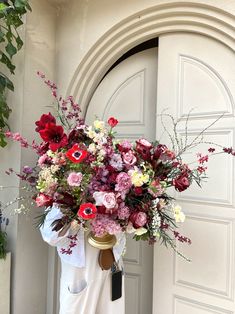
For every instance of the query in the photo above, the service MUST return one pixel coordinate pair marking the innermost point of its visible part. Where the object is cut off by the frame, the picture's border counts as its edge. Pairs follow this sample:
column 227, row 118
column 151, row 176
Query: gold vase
column 103, row 243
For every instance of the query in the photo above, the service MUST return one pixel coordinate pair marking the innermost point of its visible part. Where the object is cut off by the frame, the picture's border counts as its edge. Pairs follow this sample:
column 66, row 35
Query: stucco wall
column 29, row 262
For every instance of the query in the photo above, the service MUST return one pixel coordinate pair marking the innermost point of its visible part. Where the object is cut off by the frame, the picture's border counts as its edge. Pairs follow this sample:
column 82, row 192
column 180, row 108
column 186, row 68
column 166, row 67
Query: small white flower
column 178, row 214
column 141, row 231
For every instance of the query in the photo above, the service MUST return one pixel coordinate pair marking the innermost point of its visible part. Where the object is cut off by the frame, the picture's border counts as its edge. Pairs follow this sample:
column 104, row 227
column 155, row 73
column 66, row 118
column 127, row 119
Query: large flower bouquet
column 104, row 184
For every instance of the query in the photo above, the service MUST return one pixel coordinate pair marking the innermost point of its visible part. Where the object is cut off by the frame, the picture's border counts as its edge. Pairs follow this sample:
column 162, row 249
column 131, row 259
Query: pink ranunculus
column 43, row 200
column 74, row 178
column 129, row 158
column 182, row 182
column 123, row 182
column 138, row 219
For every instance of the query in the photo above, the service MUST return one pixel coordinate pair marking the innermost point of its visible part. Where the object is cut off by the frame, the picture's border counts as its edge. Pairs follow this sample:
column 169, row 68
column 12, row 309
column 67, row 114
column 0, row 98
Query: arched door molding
column 146, row 24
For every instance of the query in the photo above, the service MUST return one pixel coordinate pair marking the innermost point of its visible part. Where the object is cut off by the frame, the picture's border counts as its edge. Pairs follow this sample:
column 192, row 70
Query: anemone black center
column 88, row 211
column 77, row 154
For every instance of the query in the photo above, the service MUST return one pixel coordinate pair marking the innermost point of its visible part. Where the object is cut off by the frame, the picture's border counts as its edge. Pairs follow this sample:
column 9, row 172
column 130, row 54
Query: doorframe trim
column 174, row 17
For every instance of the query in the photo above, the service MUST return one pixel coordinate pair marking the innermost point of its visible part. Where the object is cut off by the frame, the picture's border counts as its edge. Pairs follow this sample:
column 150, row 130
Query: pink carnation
column 123, row 213
column 123, row 182
column 74, row 178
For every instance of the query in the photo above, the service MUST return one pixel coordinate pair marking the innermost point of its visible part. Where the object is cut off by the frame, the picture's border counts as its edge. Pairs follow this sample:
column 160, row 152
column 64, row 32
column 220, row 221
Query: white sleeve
column 48, row 235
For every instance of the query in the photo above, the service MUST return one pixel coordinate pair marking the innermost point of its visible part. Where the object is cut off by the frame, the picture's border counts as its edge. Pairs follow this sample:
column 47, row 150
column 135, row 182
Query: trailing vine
column 11, row 18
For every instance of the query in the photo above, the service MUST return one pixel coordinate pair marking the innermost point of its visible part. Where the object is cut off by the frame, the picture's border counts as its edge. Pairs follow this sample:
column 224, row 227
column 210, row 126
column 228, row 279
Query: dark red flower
column 54, row 135
column 112, row 122
column 76, row 154
column 87, row 211
column 143, row 147
column 138, row 190
column 159, row 150
column 45, row 118
column 182, row 182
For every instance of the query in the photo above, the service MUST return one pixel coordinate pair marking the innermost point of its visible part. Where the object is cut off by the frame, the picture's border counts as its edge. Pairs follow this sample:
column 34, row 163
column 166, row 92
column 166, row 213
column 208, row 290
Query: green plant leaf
column 19, row 42
column 3, row 142
column 3, row 6
column 11, row 49
column 4, row 59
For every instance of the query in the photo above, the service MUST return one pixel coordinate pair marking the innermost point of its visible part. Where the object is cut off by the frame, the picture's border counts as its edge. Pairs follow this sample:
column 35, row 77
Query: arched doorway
column 176, row 290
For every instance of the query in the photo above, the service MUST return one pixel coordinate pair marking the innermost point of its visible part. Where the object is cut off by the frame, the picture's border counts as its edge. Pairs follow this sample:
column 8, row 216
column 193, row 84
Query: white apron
column 84, row 287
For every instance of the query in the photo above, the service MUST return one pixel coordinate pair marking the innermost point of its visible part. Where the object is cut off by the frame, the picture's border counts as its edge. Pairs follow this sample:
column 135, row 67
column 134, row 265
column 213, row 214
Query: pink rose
column 138, row 219
column 129, row 158
column 43, row 200
column 74, row 179
column 105, row 199
column 109, row 200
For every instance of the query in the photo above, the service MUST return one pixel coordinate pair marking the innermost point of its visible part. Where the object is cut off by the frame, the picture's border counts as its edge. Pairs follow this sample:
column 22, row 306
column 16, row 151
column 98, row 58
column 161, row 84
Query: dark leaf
column 11, row 50
column 4, row 59
column 19, row 42
column 1, row 36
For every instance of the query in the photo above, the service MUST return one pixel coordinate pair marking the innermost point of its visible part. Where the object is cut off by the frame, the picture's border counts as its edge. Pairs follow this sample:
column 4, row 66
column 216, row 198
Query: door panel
column 198, row 72
column 128, row 93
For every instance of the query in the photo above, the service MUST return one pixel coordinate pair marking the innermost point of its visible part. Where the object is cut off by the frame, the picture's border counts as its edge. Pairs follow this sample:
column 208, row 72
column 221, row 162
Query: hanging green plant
column 11, row 18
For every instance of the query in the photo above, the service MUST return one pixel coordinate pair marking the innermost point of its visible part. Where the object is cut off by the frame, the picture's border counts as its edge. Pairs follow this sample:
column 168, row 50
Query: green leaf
column 3, row 142
column 3, row 6
column 11, row 50
column 19, row 42
column 8, row 63
column 5, row 82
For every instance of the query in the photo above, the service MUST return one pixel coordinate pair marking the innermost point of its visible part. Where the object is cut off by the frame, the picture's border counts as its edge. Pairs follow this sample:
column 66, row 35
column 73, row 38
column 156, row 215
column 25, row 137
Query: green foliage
column 3, row 244
column 11, row 18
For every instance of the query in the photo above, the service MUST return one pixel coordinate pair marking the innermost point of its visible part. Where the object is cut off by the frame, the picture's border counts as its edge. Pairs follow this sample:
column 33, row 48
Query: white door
column 198, row 72
column 128, row 92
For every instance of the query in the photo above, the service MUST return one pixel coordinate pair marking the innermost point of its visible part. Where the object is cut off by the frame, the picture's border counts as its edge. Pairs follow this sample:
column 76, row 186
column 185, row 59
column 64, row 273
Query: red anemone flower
column 45, row 118
column 54, row 135
column 87, row 211
column 76, row 154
